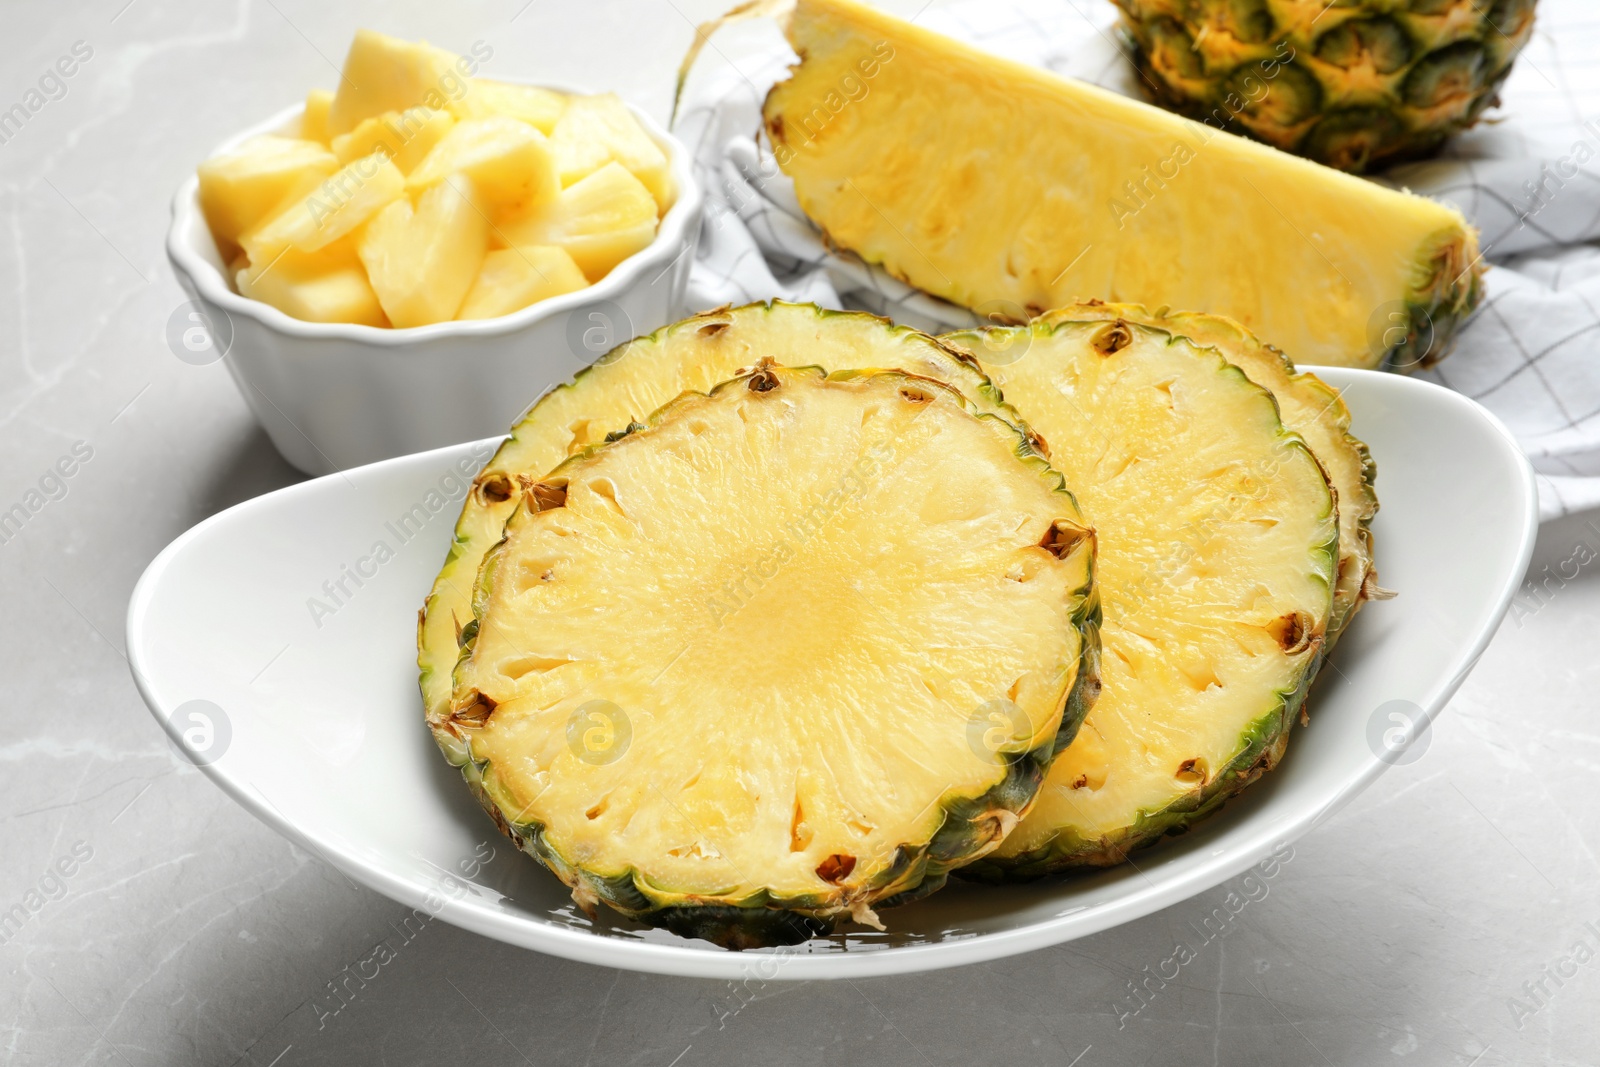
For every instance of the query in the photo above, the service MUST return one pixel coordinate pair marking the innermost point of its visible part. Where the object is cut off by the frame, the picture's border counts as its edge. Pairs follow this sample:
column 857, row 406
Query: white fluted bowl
column 336, row 395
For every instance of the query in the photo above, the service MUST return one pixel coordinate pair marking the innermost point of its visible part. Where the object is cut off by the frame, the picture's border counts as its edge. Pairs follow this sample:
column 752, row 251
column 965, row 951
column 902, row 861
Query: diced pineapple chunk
column 422, row 260
column 596, row 130
column 406, row 136
column 541, row 108
column 328, row 212
column 328, row 285
column 383, row 73
column 240, row 189
column 509, row 162
column 314, row 122
column 513, row 278
column 600, row 220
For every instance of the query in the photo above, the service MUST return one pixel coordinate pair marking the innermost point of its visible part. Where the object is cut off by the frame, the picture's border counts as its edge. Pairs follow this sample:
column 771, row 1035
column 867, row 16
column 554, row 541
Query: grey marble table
column 1449, row 916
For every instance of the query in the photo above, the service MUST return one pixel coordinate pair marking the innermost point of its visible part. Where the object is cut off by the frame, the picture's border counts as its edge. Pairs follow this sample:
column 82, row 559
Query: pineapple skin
column 1264, row 745
column 1356, row 84
column 972, row 827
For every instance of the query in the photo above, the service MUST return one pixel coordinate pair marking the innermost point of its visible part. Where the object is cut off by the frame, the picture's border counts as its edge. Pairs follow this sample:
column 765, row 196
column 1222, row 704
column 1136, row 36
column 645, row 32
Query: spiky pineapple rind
column 1353, row 85
column 1262, row 747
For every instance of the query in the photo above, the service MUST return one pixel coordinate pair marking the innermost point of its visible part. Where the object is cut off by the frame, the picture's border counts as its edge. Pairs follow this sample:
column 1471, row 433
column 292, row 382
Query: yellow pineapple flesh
column 512, row 278
column 333, row 209
column 596, row 130
column 240, row 189
column 508, row 161
column 422, row 260
column 328, row 285
column 405, row 136
column 600, row 220
column 1011, row 191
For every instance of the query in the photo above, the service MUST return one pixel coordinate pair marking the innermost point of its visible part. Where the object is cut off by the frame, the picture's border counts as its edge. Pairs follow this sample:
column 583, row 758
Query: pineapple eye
column 1193, row 771
column 1349, row 139
column 1064, row 537
column 545, row 496
column 763, row 380
column 1113, row 338
column 836, row 868
column 1437, row 7
column 1292, row 632
column 473, row 709
column 1246, row 20
column 1450, row 77
column 1172, row 48
column 1511, row 17
column 494, row 488
column 1376, row 43
column 1293, row 97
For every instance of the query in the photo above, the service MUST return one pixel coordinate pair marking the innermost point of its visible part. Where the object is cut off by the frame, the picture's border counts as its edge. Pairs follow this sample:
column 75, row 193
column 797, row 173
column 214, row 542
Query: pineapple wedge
column 331, row 210
column 240, row 189
column 314, row 121
column 383, row 74
column 328, row 285
column 539, row 108
column 1011, row 191
column 405, row 136
column 508, row 161
column 512, row 278
column 596, row 130
column 600, row 220
column 421, row 261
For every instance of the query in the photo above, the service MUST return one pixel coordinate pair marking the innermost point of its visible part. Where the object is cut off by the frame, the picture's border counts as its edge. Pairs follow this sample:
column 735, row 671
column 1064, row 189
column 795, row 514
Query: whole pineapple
column 1349, row 83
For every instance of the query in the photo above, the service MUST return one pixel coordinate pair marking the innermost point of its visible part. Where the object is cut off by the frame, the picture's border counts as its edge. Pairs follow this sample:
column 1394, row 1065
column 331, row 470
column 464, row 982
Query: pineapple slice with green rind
column 628, row 384
column 1218, row 545
column 805, row 751
column 1311, row 408
column 1009, row 190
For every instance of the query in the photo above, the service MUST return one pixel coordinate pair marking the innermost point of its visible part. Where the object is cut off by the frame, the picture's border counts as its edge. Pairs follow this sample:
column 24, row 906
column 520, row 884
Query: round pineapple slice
column 1308, row 406
column 626, row 386
column 794, row 649
column 1217, row 543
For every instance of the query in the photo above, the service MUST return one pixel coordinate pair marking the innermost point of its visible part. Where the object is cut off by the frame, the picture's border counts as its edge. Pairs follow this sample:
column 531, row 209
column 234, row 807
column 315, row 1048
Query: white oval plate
column 292, row 618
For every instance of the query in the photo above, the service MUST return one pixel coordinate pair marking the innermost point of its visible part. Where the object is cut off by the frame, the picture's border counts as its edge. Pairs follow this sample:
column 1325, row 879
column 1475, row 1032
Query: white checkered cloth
column 1528, row 177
